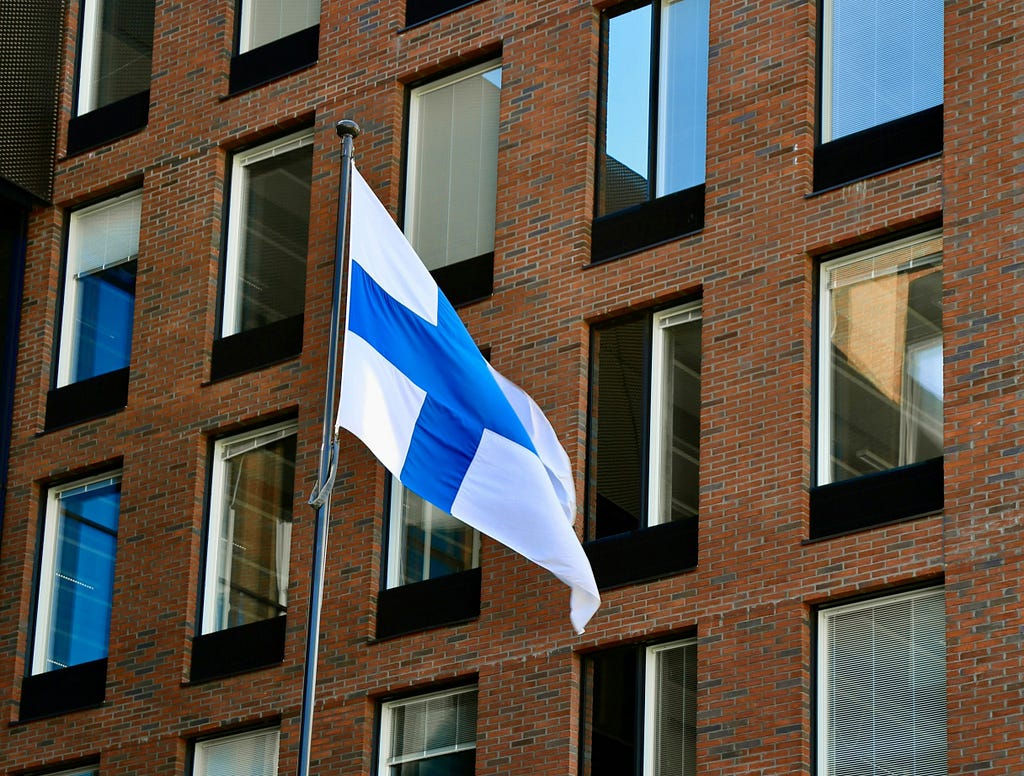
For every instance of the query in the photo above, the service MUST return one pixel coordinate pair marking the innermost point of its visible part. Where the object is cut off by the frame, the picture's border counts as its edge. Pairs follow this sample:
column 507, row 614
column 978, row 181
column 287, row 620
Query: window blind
column 434, row 725
column 249, row 754
column 898, row 257
column 884, row 690
column 105, row 235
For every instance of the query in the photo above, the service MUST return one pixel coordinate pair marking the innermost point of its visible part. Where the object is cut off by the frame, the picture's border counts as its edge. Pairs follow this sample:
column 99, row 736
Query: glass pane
column 121, row 53
column 618, row 428
column 885, row 63
column 886, row 372
column 624, row 149
column 683, row 95
column 272, row 254
column 612, row 724
column 83, row 577
column 255, row 536
column 454, row 764
column 245, row 755
column 680, row 422
column 453, row 171
column 103, row 322
column 675, row 712
column 264, row 21
column 432, row 543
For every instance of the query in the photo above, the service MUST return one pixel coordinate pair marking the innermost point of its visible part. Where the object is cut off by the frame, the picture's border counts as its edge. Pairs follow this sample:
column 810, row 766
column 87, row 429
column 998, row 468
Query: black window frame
column 422, row 11
column 658, row 220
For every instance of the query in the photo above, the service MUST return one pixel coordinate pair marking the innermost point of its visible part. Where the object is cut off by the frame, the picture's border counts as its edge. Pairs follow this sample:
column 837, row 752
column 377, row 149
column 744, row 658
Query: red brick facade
column 751, row 600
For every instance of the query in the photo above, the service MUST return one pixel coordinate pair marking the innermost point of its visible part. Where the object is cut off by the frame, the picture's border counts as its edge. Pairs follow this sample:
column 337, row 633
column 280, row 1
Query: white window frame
column 651, row 681
column 412, row 206
column 48, row 561
column 658, row 491
column 825, row 617
column 217, row 565
column 237, row 202
column 69, row 303
column 387, row 724
column 396, row 538
column 917, row 252
column 201, row 751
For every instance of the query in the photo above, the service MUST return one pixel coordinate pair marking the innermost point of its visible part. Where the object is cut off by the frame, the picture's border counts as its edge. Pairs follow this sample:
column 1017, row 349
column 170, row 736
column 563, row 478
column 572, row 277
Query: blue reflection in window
column 83, row 575
column 106, row 305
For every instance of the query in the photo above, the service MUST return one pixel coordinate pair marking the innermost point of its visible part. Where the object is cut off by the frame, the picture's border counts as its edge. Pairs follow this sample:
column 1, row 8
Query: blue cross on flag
column 417, row 391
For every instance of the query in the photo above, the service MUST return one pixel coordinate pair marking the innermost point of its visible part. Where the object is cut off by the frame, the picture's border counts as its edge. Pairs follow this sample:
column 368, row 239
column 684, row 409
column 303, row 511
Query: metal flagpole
column 320, row 499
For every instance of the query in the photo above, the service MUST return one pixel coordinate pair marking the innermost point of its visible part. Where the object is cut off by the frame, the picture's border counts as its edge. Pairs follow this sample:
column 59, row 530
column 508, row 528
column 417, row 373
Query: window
column 86, row 771
column 882, row 61
column 265, row 271
column 264, row 21
column 652, row 134
column 432, row 571
column 418, row 11
column 115, row 63
column 249, row 534
column 880, row 392
column 881, row 87
column 645, row 434
column 879, row 455
column 425, row 542
column 116, row 51
column 882, row 687
column 99, row 289
column 275, row 38
column 451, row 181
column 245, row 754
column 76, row 574
column 429, row 734
column 642, row 713
column 97, row 312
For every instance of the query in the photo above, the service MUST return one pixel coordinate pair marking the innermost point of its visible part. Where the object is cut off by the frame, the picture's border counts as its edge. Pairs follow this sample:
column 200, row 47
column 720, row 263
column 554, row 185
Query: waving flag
column 417, row 391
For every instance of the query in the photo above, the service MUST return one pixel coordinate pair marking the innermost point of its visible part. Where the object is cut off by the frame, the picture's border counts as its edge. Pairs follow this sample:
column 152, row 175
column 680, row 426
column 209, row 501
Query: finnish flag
column 417, row 391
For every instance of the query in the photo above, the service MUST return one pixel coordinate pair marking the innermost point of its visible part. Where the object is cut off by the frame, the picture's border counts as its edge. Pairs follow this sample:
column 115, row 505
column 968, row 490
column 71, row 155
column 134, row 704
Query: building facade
column 760, row 264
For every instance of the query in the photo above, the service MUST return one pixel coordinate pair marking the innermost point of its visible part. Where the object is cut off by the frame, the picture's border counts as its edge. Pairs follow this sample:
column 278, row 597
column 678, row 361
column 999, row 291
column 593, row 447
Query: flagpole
column 320, row 499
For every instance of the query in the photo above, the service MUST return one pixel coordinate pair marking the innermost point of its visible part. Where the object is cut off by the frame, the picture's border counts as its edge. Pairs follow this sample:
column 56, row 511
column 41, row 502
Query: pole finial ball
column 347, row 127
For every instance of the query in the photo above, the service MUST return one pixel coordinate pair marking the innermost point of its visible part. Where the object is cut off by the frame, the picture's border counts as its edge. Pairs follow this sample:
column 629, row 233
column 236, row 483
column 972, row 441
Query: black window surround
column 274, row 60
column 238, row 650
column 878, row 149
column 77, row 687
column 467, row 281
column 647, row 225
column 419, row 11
column 644, row 554
column 256, row 348
column 87, row 399
column 111, row 122
column 876, row 499
column 432, row 603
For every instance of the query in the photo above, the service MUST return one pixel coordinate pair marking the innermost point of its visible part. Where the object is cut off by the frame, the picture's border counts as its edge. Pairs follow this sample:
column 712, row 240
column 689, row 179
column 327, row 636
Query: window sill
column 432, row 603
column 421, row 11
column 274, row 60
column 876, row 499
column 878, row 149
column 238, row 650
column 82, row 686
column 111, row 122
column 644, row 554
column 647, row 225
column 254, row 349
column 467, row 281
column 87, row 399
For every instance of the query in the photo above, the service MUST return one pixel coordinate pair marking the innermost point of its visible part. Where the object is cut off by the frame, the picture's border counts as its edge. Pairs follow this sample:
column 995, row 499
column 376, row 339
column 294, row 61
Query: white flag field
column 418, row 392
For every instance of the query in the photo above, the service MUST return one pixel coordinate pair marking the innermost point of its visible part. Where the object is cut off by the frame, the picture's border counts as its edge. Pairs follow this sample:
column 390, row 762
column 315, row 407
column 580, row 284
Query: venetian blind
column 434, row 725
column 252, row 754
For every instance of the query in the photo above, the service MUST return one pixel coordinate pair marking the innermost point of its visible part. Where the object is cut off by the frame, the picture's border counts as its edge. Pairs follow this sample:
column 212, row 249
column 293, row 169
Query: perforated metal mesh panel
column 30, row 60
